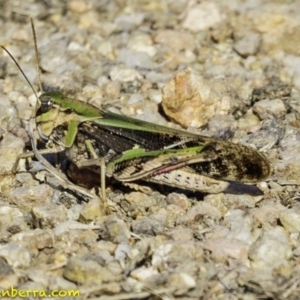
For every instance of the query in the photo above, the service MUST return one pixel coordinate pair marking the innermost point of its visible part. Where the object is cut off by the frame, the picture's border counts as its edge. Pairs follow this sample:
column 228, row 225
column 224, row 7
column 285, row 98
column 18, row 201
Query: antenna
column 17, row 64
column 37, row 58
column 37, row 62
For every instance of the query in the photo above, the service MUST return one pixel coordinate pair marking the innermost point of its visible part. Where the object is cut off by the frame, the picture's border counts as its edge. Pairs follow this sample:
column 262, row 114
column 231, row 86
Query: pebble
column 173, row 212
column 223, row 248
column 176, row 252
column 26, row 198
column 181, row 234
column 248, row 44
column 112, row 89
column 34, row 240
column 155, row 96
column 147, row 226
column 77, row 6
column 129, row 21
column 180, row 200
column 135, row 59
column 9, row 153
column 124, row 74
column 142, row 42
column 290, row 219
column 201, row 208
column 267, row 108
column 60, row 283
column 271, row 249
column 86, row 272
column 241, row 226
column 183, row 281
column 114, row 229
column 91, row 211
column 175, row 40
column 192, row 100
column 143, row 273
column 201, row 16
column 48, row 215
column 15, row 255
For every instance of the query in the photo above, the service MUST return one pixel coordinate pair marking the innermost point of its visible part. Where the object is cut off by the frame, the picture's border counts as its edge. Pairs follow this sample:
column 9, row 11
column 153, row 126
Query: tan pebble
column 190, row 100
column 77, row 6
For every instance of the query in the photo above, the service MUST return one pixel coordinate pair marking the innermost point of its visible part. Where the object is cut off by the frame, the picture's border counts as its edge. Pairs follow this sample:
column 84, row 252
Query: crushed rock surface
column 229, row 67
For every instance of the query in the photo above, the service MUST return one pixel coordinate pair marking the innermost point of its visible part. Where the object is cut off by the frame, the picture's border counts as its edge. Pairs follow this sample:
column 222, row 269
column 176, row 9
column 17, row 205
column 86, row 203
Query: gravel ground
column 222, row 68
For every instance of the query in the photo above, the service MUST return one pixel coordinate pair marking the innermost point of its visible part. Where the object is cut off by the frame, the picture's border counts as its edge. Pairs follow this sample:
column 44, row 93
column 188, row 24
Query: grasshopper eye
column 46, row 103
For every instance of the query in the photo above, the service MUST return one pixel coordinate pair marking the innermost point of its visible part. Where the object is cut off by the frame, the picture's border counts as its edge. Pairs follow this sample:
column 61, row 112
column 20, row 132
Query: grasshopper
column 135, row 149
column 131, row 149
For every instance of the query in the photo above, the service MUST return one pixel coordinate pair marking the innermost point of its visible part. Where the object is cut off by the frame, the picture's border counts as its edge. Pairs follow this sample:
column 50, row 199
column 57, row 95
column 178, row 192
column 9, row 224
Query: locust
column 129, row 149
column 138, row 150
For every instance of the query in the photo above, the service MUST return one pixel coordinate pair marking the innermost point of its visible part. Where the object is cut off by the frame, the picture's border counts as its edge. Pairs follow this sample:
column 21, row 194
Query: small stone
column 142, row 42
column 116, row 266
column 26, row 179
column 26, row 198
column 192, row 100
column 86, row 272
column 112, row 89
column 129, row 21
column 175, row 40
column 173, row 212
column 11, row 216
column 114, row 229
column 271, row 249
column 180, row 200
column 34, row 240
column 270, row 133
column 200, row 209
column 77, row 6
column 48, row 215
column 266, row 108
column 176, row 254
column 64, row 227
column 217, row 232
column 75, row 233
column 135, row 59
column 74, row 212
column 268, row 214
column 5, row 268
column 181, row 234
column 59, row 283
column 223, row 248
column 135, row 98
column 248, row 44
column 240, row 225
column 121, row 251
column 91, row 210
column 93, row 93
column 248, row 121
column 105, row 246
column 202, row 16
column 182, row 281
column 147, row 226
column 124, row 74
column 155, row 96
column 38, row 275
column 217, row 201
column 290, row 219
column 15, row 255
column 7, row 282
column 10, row 148
column 137, row 204
column 143, row 273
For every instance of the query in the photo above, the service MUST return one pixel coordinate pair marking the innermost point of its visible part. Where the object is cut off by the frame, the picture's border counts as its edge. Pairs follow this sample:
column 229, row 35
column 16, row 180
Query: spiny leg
column 92, row 152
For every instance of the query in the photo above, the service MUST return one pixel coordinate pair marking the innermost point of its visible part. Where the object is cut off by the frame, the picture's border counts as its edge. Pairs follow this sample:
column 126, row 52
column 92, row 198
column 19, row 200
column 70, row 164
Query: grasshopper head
column 48, row 99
